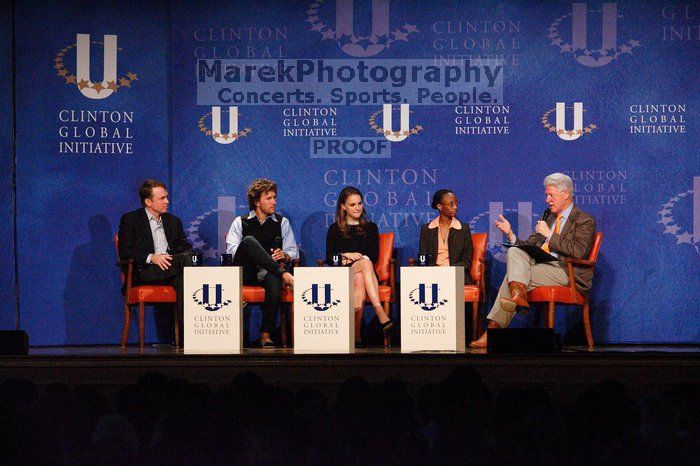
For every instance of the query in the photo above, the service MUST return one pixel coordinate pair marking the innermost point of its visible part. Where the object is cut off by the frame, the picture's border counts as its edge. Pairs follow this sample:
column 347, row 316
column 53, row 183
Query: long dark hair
column 340, row 219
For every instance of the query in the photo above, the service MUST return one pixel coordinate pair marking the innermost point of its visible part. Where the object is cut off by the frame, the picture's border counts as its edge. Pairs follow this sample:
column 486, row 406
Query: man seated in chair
column 563, row 231
column 156, row 242
column 262, row 242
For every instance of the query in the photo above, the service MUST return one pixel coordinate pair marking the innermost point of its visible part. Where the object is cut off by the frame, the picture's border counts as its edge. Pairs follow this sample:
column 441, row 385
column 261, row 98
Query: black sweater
column 366, row 243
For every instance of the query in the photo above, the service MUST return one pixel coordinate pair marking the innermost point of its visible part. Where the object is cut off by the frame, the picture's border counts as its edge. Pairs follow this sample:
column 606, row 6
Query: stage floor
column 564, row 374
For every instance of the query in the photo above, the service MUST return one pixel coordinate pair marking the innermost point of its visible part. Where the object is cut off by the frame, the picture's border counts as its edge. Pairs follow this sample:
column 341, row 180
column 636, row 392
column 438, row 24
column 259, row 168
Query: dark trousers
column 152, row 274
column 252, row 257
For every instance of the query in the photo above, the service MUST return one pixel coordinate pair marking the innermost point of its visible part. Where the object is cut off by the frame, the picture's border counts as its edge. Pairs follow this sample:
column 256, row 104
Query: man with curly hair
column 262, row 242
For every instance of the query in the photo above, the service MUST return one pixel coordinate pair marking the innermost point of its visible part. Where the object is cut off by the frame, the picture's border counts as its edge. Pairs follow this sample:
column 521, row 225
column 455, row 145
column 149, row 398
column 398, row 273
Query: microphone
column 543, row 218
column 278, row 245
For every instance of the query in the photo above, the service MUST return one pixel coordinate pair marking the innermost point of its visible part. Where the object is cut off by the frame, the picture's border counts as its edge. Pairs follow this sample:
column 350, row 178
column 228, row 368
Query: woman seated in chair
column 357, row 242
column 447, row 241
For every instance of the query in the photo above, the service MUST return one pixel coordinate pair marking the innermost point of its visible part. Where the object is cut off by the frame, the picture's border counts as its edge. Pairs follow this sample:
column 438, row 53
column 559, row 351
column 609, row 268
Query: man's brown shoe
column 482, row 342
column 518, row 297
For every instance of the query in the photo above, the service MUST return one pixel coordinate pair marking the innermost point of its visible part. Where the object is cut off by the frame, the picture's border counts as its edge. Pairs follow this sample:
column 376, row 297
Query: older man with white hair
column 563, row 231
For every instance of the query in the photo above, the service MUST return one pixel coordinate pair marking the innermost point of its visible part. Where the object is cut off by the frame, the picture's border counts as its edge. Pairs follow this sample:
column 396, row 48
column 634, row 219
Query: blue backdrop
column 7, row 272
column 634, row 158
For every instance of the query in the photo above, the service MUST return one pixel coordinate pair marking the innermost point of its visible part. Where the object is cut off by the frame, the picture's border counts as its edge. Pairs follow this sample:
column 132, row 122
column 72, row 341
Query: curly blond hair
column 257, row 188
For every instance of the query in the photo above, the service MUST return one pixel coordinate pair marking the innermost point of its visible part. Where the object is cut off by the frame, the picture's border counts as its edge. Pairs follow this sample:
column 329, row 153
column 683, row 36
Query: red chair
column 256, row 295
column 475, row 293
column 142, row 295
column 569, row 294
column 385, row 268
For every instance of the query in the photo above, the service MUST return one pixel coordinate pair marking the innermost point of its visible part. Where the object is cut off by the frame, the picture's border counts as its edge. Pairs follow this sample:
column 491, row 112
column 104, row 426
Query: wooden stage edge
column 565, row 374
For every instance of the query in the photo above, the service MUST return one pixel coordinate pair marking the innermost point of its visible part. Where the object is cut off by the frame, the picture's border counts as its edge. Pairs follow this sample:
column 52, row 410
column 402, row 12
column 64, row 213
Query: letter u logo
column 318, row 291
column 609, row 32
column 428, row 294
column 388, row 126
column 232, row 135
column 100, row 90
column 578, row 122
column 344, row 16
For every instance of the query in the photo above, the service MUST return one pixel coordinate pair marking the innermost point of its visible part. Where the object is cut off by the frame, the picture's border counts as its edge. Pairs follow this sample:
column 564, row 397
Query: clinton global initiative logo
column 319, row 297
column 233, row 134
column 207, row 232
column 578, row 44
column 685, row 207
column 210, row 297
column 81, row 79
column 387, row 128
column 354, row 44
column 521, row 221
column 560, row 122
column 427, row 297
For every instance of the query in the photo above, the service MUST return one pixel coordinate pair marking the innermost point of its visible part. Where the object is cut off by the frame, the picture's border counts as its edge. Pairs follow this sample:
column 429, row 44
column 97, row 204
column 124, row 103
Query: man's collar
column 566, row 212
column 151, row 216
column 253, row 214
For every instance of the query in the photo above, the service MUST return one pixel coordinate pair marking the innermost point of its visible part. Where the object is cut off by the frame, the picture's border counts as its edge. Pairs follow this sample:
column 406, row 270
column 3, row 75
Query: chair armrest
column 584, row 262
column 320, row 262
column 125, row 262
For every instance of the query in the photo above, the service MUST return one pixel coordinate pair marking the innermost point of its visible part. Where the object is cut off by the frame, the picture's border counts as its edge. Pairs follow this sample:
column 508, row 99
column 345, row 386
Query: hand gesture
column 504, row 225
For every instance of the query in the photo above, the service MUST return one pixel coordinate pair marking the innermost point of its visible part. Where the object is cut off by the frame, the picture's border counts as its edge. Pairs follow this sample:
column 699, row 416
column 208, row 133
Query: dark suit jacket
column 136, row 239
column 574, row 241
column 459, row 246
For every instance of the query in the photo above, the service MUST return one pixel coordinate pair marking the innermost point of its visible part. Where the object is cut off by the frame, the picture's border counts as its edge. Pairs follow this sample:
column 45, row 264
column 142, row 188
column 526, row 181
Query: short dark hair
column 257, row 188
column 437, row 197
column 146, row 189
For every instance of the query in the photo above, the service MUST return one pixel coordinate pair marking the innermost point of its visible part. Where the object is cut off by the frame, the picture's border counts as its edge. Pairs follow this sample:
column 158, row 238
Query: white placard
column 213, row 317
column 432, row 309
column 323, row 309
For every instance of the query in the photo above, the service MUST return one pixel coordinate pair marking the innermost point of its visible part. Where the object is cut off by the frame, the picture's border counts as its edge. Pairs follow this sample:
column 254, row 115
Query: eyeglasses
column 552, row 196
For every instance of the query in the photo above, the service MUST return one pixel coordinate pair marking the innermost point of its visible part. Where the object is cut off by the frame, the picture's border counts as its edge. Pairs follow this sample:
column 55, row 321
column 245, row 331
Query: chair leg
column 127, row 324
column 550, row 314
column 283, row 326
column 387, row 336
column 291, row 324
column 142, row 324
column 176, row 318
column 475, row 320
column 587, row 323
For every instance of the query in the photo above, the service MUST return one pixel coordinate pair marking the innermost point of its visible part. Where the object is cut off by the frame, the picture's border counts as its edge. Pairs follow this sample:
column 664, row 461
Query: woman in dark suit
column 446, row 240
column 357, row 242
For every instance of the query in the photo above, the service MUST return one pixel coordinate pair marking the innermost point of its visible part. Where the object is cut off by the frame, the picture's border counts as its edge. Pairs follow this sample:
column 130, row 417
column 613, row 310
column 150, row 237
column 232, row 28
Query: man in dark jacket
column 156, row 241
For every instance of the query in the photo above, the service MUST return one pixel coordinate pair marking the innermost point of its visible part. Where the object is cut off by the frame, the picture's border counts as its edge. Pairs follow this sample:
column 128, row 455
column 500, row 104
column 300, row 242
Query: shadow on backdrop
column 92, row 301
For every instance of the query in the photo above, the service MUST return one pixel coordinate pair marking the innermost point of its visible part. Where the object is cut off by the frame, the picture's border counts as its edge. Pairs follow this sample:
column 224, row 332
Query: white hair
column 560, row 181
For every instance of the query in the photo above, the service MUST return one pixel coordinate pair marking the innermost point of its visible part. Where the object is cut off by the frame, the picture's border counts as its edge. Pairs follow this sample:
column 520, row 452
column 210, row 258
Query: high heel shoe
column 387, row 326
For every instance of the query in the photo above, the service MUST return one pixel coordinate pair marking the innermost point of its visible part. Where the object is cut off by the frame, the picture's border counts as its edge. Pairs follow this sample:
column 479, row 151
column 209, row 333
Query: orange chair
column 385, row 268
column 142, row 295
column 475, row 293
column 569, row 294
column 256, row 295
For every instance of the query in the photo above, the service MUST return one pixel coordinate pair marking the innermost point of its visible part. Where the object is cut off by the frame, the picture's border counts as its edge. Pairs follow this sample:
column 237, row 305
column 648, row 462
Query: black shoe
column 387, row 326
column 267, row 344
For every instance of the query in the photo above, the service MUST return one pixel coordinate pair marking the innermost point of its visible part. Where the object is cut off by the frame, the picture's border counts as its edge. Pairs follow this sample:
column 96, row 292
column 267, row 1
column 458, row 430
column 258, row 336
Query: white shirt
column 235, row 235
column 160, row 242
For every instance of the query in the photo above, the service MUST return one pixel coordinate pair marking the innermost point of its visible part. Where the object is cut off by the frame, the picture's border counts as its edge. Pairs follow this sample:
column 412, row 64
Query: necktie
column 557, row 224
